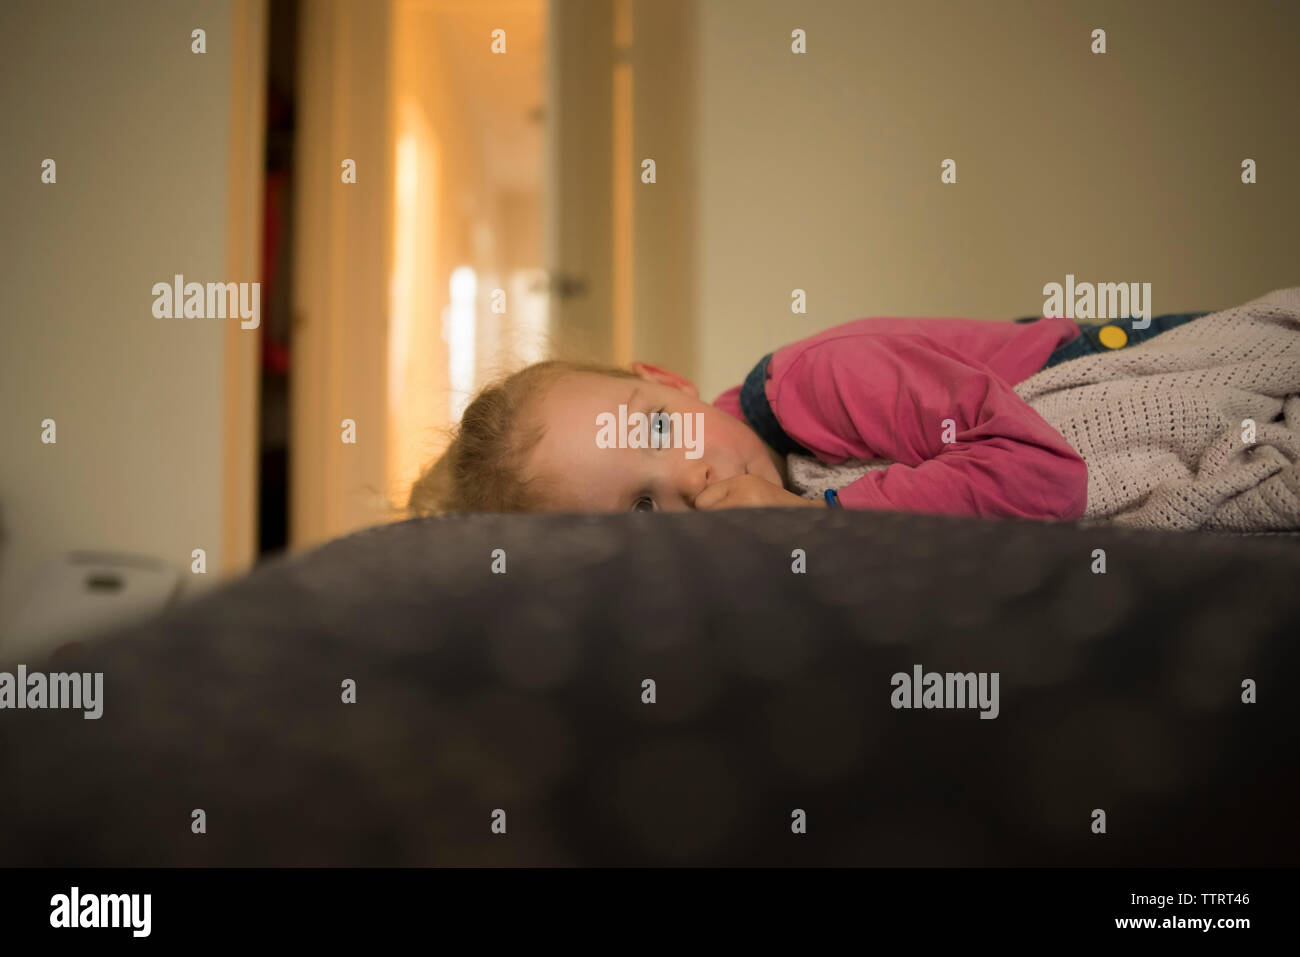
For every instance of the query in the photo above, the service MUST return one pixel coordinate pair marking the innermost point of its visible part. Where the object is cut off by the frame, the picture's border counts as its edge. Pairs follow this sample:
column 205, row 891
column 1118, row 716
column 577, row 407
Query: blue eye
column 661, row 425
column 648, row 502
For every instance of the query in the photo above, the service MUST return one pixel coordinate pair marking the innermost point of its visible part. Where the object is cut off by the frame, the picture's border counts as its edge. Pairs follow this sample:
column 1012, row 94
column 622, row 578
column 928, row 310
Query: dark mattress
column 522, row 692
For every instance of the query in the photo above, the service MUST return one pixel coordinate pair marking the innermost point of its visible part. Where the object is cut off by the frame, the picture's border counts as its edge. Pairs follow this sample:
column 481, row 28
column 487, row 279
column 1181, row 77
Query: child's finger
column 712, row 497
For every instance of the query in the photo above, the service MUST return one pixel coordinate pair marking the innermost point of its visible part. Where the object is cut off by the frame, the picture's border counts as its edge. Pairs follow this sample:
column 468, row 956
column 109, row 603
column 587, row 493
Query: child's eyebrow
column 630, row 398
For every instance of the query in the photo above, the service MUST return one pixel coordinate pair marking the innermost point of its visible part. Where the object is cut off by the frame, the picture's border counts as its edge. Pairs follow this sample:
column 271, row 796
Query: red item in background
column 275, row 335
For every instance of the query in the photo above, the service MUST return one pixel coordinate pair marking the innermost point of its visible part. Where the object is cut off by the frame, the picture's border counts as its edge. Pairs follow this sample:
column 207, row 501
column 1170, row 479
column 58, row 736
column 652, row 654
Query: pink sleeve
column 887, row 396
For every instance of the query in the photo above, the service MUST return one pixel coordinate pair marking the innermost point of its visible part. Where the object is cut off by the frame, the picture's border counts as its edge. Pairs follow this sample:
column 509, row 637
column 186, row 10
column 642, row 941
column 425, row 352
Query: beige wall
column 821, row 171
column 667, row 279
column 140, row 130
column 579, row 195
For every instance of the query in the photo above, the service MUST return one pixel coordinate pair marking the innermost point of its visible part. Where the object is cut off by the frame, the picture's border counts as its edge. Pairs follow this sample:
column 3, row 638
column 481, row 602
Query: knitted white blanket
column 1198, row 427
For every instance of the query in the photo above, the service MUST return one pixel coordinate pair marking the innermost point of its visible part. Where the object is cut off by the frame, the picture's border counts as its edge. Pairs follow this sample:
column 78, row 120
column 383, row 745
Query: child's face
column 579, row 475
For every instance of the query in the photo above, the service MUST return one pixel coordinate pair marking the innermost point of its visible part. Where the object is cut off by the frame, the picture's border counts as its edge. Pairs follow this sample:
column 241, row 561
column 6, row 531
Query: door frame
column 243, row 262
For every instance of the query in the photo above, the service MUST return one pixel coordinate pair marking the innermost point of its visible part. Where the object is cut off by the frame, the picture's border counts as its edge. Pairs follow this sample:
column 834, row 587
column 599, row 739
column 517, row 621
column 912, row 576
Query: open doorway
column 467, row 196
column 469, row 297
column 417, row 243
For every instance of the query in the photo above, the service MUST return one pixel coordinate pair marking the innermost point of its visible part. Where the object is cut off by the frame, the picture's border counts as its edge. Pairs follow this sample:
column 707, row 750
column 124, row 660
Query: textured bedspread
column 514, row 681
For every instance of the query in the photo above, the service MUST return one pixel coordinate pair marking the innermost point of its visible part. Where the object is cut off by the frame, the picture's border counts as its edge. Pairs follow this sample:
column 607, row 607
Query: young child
column 934, row 396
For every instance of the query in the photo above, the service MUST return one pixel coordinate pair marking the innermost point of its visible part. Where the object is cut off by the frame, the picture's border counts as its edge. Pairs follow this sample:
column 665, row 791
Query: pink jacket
column 882, row 388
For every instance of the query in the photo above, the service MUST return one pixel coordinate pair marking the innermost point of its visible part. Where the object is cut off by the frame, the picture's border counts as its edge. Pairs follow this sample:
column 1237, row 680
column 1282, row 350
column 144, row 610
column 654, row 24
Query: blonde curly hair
column 482, row 467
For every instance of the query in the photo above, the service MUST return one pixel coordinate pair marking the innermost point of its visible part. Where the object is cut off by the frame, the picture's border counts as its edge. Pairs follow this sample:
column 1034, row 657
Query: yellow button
column 1113, row 337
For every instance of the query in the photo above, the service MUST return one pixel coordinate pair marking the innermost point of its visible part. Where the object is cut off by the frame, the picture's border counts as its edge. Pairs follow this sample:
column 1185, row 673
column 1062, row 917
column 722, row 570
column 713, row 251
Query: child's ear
column 655, row 374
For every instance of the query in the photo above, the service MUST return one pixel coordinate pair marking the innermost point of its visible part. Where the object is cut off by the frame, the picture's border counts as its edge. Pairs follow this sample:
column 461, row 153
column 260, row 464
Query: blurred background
column 500, row 214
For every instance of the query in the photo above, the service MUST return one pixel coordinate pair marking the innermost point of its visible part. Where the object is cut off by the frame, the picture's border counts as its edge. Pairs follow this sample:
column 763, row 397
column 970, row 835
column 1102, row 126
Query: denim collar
column 758, row 411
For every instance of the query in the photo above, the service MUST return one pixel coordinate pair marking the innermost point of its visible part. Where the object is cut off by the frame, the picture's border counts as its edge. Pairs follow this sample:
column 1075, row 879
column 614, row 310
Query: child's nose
column 696, row 477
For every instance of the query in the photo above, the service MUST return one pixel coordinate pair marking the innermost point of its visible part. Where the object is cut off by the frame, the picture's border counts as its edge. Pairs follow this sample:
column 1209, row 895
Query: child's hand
column 750, row 491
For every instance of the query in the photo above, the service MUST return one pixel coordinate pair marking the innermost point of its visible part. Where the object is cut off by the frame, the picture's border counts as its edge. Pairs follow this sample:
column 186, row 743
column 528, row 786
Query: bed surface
column 523, row 692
